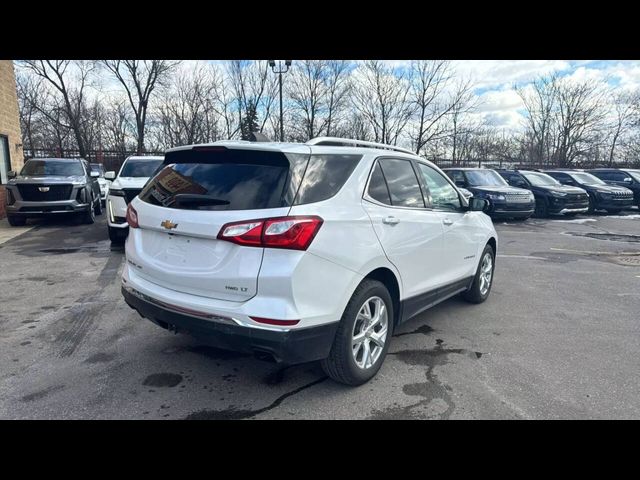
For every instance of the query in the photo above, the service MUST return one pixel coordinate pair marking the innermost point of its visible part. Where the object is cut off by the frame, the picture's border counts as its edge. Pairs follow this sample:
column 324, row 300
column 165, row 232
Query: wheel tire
column 16, row 221
column 118, row 235
column 475, row 293
column 542, row 210
column 341, row 365
column 592, row 204
column 614, row 211
column 98, row 208
column 89, row 217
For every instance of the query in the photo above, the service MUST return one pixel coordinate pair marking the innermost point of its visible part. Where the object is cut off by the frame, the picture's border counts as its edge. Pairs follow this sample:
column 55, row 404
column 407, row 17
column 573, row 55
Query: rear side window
column 378, row 186
column 324, row 176
column 402, row 183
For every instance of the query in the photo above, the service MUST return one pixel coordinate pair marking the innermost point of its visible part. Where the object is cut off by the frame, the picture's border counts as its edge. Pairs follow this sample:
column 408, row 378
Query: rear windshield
column 97, row 167
column 139, row 168
column 63, row 168
column 231, row 179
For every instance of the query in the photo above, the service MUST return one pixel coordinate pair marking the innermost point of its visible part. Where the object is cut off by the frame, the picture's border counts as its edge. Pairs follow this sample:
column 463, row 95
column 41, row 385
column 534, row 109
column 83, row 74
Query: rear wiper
column 192, row 200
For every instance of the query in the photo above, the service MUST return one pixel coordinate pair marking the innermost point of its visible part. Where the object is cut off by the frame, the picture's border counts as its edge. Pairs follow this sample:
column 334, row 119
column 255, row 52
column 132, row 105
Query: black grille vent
column 33, row 193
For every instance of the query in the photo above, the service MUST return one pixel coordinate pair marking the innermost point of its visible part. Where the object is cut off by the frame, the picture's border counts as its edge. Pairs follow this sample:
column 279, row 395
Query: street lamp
column 280, row 70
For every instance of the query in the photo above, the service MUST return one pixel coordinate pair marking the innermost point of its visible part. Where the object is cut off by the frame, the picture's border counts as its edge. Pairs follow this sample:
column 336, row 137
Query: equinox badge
column 168, row 224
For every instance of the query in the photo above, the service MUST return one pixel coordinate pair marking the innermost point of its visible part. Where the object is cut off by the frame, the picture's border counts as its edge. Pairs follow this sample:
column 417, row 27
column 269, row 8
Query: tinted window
column 63, row 168
column 617, row 176
column 97, row 167
column 457, row 176
column 481, row 178
column 226, row 180
column 540, row 179
column 324, row 176
column 139, row 168
column 442, row 194
column 586, row 178
column 378, row 186
column 402, row 182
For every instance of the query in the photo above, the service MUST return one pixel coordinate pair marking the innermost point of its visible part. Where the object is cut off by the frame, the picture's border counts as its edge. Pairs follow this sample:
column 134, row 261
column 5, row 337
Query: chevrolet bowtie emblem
column 43, row 189
column 168, row 224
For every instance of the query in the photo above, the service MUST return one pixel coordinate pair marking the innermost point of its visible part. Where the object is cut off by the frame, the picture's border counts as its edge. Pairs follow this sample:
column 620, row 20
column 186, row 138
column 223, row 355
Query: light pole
column 280, row 70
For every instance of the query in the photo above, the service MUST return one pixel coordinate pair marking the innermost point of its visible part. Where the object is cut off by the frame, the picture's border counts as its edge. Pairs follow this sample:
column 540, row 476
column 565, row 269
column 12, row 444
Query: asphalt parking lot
column 558, row 338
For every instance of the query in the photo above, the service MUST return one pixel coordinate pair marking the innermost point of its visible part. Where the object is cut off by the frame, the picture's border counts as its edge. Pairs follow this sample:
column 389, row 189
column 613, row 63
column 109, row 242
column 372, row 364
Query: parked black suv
column 504, row 201
column 621, row 177
column 551, row 196
column 601, row 196
column 48, row 186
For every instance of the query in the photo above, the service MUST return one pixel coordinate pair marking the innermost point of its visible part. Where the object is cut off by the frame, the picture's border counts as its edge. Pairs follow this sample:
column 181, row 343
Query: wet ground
column 558, row 338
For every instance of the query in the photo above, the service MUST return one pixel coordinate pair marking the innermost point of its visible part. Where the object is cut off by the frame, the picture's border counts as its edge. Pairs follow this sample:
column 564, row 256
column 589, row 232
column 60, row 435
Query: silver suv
column 49, row 186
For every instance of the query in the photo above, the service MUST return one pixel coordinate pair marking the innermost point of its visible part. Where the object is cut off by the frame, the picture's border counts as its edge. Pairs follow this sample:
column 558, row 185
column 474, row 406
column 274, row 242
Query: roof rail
column 349, row 142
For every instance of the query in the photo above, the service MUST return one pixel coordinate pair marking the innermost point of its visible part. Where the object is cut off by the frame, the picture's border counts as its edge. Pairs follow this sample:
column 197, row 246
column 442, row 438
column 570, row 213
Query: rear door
column 183, row 208
column 410, row 233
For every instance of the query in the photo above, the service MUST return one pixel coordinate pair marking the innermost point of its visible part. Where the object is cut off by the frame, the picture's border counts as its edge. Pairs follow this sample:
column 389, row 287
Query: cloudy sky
column 495, row 80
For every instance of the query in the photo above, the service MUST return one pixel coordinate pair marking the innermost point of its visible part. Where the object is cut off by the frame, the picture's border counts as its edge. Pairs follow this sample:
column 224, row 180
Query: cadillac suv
column 51, row 186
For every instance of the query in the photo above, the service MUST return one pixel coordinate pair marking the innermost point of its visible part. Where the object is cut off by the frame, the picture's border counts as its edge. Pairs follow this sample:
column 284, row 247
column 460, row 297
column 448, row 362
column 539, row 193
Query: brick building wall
column 9, row 121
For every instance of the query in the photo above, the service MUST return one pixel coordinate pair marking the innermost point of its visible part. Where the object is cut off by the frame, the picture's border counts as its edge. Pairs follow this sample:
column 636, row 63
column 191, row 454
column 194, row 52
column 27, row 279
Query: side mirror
column 460, row 183
column 628, row 180
column 110, row 175
column 477, row 204
column 94, row 174
column 11, row 174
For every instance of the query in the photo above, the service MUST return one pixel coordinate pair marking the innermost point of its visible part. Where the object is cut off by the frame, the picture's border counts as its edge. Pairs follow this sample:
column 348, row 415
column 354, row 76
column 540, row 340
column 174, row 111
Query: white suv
column 302, row 252
column 133, row 174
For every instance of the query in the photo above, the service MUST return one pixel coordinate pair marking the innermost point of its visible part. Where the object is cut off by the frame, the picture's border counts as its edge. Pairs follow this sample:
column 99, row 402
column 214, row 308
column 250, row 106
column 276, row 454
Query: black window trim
column 411, row 161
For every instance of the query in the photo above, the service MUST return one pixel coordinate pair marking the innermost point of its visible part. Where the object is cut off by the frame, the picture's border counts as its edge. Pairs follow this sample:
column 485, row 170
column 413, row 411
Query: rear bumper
column 288, row 347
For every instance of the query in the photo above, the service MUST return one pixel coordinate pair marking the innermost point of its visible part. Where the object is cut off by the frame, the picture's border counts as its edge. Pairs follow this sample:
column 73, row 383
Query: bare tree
column 381, row 98
column 339, row 88
column 308, row 91
column 428, row 80
column 580, row 110
column 624, row 110
column 255, row 91
column 462, row 103
column 71, row 89
column 540, row 102
column 139, row 78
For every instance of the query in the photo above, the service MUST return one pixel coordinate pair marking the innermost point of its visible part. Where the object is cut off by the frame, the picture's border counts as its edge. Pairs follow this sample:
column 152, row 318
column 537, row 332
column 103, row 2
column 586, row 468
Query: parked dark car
column 50, row 186
column 621, row 177
column 504, row 201
column 601, row 196
column 551, row 196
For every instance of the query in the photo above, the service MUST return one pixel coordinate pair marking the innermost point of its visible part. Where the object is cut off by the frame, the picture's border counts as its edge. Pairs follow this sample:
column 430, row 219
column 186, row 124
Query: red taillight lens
column 295, row 233
column 132, row 217
column 271, row 321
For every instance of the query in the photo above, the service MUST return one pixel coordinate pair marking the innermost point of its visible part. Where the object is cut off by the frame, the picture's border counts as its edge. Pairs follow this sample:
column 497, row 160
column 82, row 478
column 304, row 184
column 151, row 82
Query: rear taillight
column 132, row 217
column 294, row 233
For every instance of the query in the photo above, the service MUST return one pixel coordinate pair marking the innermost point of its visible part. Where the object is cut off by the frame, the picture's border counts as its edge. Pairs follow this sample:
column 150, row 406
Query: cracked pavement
column 558, row 338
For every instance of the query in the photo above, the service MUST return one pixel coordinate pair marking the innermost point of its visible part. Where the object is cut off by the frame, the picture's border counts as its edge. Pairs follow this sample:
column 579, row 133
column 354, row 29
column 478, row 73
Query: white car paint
column 116, row 205
column 190, row 268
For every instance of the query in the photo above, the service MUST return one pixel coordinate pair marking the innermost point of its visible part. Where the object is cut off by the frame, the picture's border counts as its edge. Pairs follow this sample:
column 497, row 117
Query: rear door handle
column 447, row 221
column 390, row 220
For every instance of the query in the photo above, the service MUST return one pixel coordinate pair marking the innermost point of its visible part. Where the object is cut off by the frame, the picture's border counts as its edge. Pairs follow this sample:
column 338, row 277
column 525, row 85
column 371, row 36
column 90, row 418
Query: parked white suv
column 133, row 174
column 302, row 252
